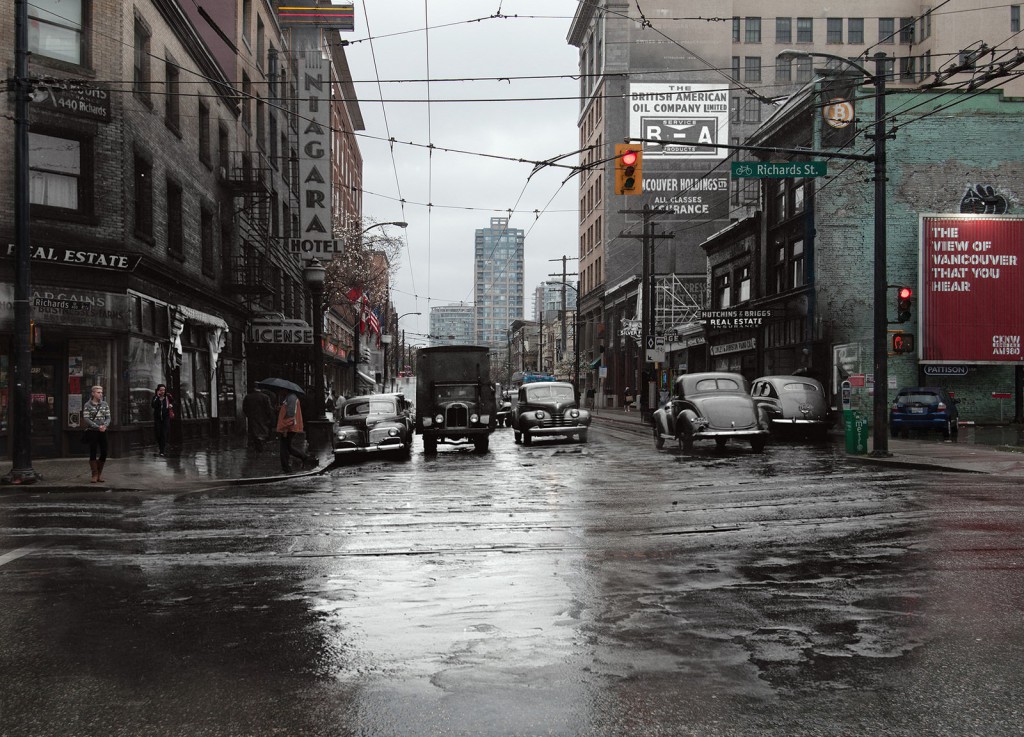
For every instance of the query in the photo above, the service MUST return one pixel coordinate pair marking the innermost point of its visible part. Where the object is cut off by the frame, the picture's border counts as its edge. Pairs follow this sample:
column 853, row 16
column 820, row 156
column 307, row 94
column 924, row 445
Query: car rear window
column 922, row 398
column 722, row 385
column 795, row 386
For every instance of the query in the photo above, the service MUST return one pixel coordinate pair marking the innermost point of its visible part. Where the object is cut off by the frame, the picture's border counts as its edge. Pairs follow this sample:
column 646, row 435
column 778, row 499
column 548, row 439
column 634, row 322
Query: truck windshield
column 456, row 393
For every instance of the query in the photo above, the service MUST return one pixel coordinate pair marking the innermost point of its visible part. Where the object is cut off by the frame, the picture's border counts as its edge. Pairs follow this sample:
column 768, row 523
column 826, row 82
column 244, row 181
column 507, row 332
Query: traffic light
column 902, row 342
column 628, row 169
column 904, row 301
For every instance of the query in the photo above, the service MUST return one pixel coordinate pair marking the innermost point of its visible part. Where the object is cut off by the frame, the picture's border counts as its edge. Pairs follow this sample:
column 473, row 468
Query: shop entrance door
column 46, row 404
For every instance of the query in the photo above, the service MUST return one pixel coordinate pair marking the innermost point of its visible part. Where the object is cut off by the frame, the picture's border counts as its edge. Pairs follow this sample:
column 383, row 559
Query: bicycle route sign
column 781, row 170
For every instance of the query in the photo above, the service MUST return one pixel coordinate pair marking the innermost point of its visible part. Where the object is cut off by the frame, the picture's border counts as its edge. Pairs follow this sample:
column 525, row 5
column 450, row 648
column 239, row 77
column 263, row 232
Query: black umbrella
column 275, row 383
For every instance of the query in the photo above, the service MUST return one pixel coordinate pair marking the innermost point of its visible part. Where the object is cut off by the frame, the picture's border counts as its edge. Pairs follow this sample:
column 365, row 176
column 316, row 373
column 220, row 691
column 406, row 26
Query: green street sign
column 782, row 170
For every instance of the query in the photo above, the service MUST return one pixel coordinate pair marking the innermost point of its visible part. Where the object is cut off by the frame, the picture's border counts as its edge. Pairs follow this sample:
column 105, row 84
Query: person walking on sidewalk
column 163, row 411
column 96, row 416
column 259, row 417
column 289, row 424
column 628, row 403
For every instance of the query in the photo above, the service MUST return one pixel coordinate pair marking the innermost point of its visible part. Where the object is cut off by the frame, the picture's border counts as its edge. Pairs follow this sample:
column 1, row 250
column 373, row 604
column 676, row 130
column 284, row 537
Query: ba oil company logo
column 838, row 113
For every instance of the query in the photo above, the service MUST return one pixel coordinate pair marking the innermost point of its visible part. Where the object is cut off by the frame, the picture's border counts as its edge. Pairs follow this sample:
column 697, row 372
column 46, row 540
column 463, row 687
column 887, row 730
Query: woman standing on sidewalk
column 162, row 413
column 96, row 415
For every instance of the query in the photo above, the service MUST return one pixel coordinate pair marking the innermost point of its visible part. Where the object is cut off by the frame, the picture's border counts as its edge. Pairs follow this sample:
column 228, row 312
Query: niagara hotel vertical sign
column 314, row 136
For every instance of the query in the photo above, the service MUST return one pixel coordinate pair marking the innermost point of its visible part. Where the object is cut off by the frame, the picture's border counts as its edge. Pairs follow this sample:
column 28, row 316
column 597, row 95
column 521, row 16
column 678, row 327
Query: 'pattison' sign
column 972, row 289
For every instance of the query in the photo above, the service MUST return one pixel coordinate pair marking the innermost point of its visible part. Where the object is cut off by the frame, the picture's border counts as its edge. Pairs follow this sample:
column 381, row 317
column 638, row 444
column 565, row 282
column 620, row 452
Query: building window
column 246, row 101
column 1015, row 19
column 172, row 98
column 783, row 69
column 906, row 30
column 736, row 29
column 751, row 111
column 175, row 219
column 56, row 172
column 205, row 153
column 140, row 74
column 799, row 190
column 805, row 30
column 143, row 176
column 886, row 30
column 723, row 292
column 260, row 42
column 783, row 30
column 855, row 30
column 735, row 67
column 834, row 30
column 206, row 241
column 246, row 21
column 796, row 265
column 908, row 68
column 734, row 110
column 803, row 70
column 779, row 202
column 779, row 268
column 752, row 33
column 752, row 69
column 261, row 124
column 743, row 284
column 55, row 30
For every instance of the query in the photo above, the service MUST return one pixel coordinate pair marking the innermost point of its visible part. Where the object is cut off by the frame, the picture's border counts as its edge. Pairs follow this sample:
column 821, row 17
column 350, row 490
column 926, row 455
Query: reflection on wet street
column 571, row 589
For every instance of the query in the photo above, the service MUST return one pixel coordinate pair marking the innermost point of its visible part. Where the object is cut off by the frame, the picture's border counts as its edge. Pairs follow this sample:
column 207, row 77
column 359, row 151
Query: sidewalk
column 194, row 467
column 991, row 449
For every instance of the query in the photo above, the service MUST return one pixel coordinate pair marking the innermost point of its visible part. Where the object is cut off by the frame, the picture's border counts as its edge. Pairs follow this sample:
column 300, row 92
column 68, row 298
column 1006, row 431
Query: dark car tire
column 481, row 444
column 757, row 444
column 430, row 446
column 720, row 443
column 527, row 440
column 582, row 436
column 894, row 432
column 954, row 428
column 517, row 436
column 685, row 443
column 659, row 442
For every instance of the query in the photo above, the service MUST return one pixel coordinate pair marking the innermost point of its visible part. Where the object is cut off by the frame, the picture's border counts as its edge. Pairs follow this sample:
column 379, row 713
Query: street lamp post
column 317, row 428
column 359, row 321
column 880, row 405
column 575, row 335
column 400, row 353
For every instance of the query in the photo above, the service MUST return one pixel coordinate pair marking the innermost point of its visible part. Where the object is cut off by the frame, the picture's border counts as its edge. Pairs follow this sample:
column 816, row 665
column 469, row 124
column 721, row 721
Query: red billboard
column 972, row 289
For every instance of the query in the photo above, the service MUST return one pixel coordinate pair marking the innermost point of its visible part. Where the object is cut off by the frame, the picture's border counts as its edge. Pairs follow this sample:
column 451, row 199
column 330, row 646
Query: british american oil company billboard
column 972, row 289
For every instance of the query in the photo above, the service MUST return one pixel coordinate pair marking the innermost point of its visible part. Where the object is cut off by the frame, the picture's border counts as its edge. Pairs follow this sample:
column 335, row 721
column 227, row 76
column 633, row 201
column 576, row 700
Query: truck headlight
column 439, row 419
column 474, row 419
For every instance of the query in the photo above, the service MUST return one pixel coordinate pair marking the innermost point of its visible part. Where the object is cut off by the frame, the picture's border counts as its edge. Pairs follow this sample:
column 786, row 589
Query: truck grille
column 457, row 416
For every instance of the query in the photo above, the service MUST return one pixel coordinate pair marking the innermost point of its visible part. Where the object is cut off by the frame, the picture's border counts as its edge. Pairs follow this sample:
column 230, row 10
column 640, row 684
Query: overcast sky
column 462, row 39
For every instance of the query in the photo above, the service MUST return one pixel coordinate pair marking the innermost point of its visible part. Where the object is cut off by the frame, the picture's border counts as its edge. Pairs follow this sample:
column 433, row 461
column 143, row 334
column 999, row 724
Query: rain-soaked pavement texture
column 563, row 589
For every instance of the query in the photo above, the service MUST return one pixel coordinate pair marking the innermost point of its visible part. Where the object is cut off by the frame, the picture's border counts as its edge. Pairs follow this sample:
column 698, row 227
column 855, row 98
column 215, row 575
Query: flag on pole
column 374, row 321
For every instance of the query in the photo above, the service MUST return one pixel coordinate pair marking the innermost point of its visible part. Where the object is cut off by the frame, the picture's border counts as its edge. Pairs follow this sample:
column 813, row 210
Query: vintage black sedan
column 548, row 409
column 505, row 409
column 795, row 405
column 711, row 406
column 377, row 423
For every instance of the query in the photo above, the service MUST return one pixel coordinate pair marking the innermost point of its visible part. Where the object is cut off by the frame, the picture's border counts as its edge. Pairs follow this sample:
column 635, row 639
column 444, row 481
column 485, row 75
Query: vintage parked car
column 505, row 409
column 924, row 408
column 795, row 404
column 376, row 423
column 548, row 408
column 711, row 406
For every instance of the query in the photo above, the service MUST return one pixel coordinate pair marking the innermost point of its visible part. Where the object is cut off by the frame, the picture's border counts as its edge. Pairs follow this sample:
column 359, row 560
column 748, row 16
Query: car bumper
column 556, row 430
column 391, row 444
column 715, row 434
column 793, row 422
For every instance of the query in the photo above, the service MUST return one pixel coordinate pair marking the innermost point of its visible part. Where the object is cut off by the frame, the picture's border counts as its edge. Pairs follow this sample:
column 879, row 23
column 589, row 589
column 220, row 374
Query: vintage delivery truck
column 455, row 400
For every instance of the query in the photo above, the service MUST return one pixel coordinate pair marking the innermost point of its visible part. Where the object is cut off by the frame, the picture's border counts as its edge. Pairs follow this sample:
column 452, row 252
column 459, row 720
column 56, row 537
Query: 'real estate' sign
column 79, row 257
column 725, row 319
column 972, row 289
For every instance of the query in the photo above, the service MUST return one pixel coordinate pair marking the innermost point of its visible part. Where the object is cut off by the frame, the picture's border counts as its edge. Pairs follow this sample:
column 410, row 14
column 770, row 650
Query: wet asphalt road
column 561, row 589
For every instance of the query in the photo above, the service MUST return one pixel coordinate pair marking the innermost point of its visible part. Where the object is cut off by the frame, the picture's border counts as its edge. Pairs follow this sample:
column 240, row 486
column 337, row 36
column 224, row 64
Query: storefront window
column 145, row 371
column 195, row 386
column 95, row 367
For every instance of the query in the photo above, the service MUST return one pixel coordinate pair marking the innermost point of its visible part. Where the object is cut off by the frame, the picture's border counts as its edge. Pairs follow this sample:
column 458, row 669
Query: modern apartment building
column 497, row 281
column 452, row 324
column 706, row 73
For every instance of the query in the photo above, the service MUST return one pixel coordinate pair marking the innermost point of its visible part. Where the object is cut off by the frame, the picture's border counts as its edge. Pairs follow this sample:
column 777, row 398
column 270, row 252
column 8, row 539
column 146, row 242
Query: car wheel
column 583, row 436
column 954, row 428
column 757, row 444
column 527, row 440
column 659, row 442
column 721, row 442
column 481, row 444
column 685, row 443
column 430, row 446
column 518, row 435
column 894, row 432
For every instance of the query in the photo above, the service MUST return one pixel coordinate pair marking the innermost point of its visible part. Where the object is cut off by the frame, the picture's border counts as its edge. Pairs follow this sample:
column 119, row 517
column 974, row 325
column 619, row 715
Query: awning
column 201, row 318
column 596, row 363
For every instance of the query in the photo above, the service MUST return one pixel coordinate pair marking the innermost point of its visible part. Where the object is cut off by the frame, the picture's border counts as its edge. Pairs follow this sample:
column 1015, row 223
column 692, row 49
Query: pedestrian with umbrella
column 289, row 418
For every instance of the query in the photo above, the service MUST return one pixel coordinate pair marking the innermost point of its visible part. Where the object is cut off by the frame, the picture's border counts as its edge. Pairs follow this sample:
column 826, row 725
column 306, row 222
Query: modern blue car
column 923, row 408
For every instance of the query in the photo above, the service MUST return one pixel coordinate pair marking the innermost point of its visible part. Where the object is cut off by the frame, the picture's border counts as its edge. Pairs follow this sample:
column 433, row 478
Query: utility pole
column 21, row 370
column 565, row 336
column 647, row 326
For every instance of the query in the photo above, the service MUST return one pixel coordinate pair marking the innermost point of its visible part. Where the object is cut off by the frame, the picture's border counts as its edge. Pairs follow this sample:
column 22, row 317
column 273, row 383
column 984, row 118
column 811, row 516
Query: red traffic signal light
column 628, row 164
column 904, row 301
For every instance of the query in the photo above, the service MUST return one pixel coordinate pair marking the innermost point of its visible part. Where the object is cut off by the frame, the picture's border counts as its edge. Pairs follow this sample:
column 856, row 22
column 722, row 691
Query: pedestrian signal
column 902, row 342
column 628, row 165
column 904, row 301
